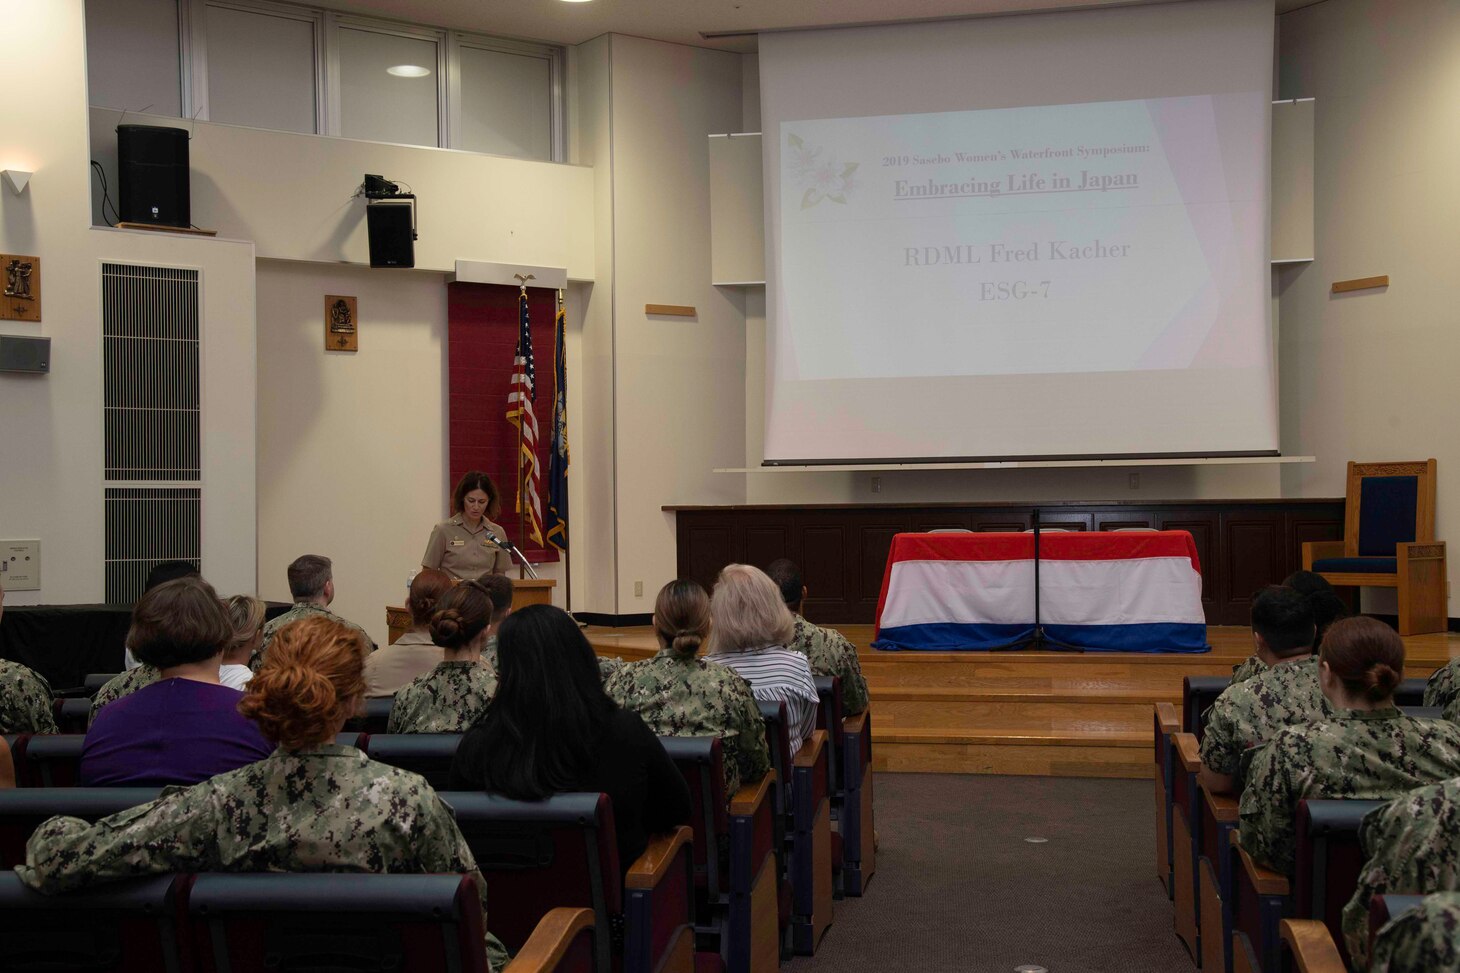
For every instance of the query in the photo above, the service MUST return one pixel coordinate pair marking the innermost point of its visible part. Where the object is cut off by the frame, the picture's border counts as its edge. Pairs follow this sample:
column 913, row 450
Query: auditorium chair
column 129, row 926
column 1218, row 819
column 540, row 855
column 347, row 739
column 565, row 941
column 95, row 680
column 73, row 714
column 23, row 809
column 1198, row 693
column 778, row 742
column 1165, row 726
column 376, row 715
column 858, row 827
column 427, row 754
column 1185, row 829
column 1410, row 692
column 1383, row 908
column 829, row 718
column 1308, row 947
column 811, row 860
column 737, row 896
column 49, row 760
column 1389, row 542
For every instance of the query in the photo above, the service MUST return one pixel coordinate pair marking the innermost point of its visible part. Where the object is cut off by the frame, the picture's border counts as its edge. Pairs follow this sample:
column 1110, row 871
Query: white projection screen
column 1036, row 236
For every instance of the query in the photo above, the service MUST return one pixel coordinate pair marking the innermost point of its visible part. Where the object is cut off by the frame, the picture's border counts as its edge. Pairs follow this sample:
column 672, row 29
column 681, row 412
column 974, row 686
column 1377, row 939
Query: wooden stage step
column 1057, row 714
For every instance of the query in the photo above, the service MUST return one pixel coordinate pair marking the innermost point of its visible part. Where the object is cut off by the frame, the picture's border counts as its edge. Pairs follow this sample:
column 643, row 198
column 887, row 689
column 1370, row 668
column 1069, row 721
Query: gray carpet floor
column 959, row 889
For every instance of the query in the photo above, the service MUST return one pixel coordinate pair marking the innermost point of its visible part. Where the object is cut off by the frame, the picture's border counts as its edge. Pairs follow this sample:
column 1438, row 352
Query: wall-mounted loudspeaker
column 152, row 169
column 392, row 240
column 19, row 353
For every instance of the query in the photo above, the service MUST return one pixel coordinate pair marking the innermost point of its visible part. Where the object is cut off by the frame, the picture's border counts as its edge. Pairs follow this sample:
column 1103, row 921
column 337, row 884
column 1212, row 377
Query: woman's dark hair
column 682, row 616
column 1366, row 655
column 427, row 587
column 461, row 615
column 179, row 622
column 540, row 735
column 1327, row 606
column 476, row 480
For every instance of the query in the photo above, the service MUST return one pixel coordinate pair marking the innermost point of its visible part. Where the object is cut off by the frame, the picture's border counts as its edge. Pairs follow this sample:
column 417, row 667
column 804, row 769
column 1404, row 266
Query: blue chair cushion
column 1388, row 506
column 1357, row 565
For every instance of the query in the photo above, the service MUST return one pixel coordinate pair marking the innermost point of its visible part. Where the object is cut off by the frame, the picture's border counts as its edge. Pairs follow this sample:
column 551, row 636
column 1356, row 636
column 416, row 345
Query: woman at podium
column 466, row 545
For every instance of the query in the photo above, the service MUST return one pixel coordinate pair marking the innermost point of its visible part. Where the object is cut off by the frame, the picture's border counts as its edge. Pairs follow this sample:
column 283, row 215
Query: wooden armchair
column 1389, row 542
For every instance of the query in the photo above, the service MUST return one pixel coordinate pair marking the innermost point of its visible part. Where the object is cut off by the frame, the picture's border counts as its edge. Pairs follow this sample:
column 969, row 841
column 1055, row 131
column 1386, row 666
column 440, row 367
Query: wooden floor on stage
column 1042, row 713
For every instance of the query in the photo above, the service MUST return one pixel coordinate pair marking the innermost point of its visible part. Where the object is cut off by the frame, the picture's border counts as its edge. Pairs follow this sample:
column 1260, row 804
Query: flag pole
column 567, row 558
column 521, row 500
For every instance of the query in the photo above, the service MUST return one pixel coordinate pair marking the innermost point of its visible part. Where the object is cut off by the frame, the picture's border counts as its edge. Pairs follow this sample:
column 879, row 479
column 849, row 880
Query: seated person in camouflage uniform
column 1327, row 609
column 828, row 651
column 1367, row 750
column 312, row 586
column 312, row 806
column 453, row 696
column 551, row 729
column 185, row 727
column 1413, row 844
column 413, row 654
column 25, row 696
column 1426, row 939
column 1285, row 693
column 1443, row 689
column 679, row 695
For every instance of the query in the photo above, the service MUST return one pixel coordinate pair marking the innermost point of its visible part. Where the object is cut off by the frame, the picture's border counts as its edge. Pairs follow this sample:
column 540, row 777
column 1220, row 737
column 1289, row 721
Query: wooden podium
column 525, row 591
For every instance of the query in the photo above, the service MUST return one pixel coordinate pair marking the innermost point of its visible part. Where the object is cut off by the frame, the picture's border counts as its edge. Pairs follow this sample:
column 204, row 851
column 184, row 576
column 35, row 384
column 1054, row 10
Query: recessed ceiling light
column 408, row 71
column 575, row 1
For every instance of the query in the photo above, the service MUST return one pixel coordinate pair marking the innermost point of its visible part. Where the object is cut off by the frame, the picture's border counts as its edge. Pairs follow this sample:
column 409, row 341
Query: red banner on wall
column 481, row 338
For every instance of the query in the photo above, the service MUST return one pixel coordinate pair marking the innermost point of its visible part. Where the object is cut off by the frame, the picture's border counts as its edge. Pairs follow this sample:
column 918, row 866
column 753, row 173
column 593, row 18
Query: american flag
column 520, row 396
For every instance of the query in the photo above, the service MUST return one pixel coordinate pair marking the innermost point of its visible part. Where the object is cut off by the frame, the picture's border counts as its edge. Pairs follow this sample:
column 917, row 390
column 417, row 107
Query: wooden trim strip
column 674, row 310
column 1360, row 284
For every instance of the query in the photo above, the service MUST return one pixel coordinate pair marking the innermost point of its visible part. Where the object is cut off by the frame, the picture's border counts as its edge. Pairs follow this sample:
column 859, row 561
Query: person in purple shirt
column 185, row 727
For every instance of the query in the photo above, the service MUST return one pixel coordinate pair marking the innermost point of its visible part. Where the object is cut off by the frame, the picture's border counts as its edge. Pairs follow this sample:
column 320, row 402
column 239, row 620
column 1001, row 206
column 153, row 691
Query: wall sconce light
column 16, row 179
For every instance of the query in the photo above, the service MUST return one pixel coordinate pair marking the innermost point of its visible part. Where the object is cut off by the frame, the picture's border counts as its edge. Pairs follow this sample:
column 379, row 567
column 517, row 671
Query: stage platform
column 1048, row 714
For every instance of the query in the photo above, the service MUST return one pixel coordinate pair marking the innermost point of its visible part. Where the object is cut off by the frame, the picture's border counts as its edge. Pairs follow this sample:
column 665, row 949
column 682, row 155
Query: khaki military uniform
column 1354, row 755
column 25, row 700
column 323, row 809
column 450, row 698
column 693, row 698
column 303, row 609
column 1413, row 844
column 831, row 654
column 1249, row 713
column 1443, row 687
column 466, row 552
column 1424, row 940
column 123, row 684
column 391, row 668
column 1250, row 667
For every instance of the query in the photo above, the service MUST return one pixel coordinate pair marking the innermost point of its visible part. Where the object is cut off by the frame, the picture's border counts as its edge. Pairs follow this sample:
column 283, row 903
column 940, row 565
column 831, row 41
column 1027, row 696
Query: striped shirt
column 778, row 675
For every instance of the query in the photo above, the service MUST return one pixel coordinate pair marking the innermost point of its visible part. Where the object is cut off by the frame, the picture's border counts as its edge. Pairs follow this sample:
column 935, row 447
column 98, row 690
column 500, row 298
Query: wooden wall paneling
column 871, row 539
column 768, row 537
column 1202, row 526
column 1252, row 551
column 1303, row 526
column 1124, row 521
column 922, row 521
column 709, row 550
column 1063, row 518
column 1013, row 520
column 824, row 560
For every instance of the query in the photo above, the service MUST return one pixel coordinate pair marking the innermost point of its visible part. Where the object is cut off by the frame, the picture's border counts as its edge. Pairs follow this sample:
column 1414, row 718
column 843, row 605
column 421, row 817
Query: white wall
column 1371, row 375
column 51, row 432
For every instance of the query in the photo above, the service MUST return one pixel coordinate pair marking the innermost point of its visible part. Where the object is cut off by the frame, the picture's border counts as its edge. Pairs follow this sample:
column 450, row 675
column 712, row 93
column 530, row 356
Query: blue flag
column 556, row 522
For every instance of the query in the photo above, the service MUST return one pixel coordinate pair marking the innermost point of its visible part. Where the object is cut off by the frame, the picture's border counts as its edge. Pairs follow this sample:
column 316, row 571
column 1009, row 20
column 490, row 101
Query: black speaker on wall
column 152, row 168
column 392, row 239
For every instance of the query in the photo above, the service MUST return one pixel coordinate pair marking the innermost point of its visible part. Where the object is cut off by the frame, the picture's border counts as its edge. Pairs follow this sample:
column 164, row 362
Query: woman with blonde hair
column 247, row 615
column 312, row 806
column 752, row 627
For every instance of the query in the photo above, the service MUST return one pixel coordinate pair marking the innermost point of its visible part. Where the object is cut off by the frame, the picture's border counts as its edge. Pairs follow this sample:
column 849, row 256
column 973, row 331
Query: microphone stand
column 512, row 551
column 1039, row 638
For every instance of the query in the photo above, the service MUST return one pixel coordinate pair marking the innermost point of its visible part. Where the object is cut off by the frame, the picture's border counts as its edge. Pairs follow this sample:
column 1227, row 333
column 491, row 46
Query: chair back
column 427, row 754
column 376, row 716
column 1388, row 504
column 50, row 760
column 1198, row 693
column 1383, row 908
column 701, row 762
column 95, row 680
column 23, row 809
column 347, row 739
column 1329, row 860
column 1411, row 692
column 73, row 715
column 829, row 718
column 542, row 855
column 336, row 922
column 119, row 926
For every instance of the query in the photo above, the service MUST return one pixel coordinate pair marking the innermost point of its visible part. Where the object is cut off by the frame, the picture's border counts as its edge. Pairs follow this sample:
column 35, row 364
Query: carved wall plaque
column 341, row 323
column 20, row 287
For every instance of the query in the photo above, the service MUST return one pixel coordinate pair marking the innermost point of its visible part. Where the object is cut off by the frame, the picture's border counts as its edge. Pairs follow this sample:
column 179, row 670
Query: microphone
column 511, row 548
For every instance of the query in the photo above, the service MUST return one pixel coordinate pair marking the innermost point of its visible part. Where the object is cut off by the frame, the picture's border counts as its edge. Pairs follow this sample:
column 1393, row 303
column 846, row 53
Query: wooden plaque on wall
column 20, row 287
column 341, row 323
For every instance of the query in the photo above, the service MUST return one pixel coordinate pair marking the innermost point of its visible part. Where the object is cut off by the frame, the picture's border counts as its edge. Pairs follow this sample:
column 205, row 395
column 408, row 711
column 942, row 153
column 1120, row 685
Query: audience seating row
column 216, row 922
column 1310, row 946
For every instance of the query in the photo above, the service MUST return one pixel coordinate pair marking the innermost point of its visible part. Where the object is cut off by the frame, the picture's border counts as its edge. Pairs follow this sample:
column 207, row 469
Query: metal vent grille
column 144, row 526
column 150, row 328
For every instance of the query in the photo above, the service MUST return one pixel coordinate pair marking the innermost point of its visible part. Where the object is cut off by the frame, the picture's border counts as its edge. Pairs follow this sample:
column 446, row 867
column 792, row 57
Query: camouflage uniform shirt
column 1425, row 939
column 1355, row 755
column 689, row 697
column 448, row 699
column 303, row 609
column 123, row 684
column 1251, row 666
column 1249, row 713
column 323, row 809
column 1443, row 687
column 25, row 700
column 1413, row 844
column 831, row 654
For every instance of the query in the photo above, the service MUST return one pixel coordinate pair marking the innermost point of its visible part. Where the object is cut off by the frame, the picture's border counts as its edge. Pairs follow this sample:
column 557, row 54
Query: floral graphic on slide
column 818, row 178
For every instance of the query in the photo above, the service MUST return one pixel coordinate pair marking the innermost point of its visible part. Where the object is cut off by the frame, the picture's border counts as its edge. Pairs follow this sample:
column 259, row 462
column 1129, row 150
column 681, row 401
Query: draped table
column 1122, row 591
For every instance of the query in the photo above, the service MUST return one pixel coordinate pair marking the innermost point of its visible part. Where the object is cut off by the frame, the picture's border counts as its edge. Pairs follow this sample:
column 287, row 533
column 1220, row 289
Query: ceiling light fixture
column 408, row 71
column 575, row 1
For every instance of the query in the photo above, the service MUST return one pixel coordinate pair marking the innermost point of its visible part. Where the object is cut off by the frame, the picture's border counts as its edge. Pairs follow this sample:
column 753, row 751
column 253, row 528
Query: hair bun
column 1380, row 681
column 447, row 627
column 686, row 642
